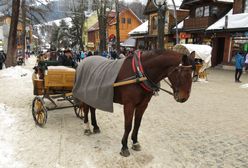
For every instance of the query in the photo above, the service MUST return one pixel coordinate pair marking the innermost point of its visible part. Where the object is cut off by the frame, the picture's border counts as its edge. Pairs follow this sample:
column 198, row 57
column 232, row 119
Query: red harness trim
column 142, row 71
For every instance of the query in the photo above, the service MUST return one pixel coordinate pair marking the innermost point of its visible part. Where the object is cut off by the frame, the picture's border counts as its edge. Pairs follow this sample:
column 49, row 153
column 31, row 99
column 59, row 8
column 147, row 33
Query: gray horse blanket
column 95, row 76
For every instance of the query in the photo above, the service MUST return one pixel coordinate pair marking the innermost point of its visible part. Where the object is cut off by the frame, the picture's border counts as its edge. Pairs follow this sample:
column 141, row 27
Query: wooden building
column 152, row 12
column 128, row 21
column 230, row 33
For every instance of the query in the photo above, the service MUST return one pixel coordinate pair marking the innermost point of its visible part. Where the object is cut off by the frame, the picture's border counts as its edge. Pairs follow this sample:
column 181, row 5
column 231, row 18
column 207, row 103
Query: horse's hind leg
column 128, row 114
column 96, row 129
column 86, row 120
column 140, row 109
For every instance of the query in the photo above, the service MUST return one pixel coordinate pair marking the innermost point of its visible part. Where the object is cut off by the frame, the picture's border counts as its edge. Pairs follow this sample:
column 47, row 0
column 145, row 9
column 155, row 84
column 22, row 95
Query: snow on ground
column 209, row 130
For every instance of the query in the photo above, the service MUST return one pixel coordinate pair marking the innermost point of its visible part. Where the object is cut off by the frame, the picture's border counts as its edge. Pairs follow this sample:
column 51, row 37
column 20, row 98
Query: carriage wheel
column 79, row 111
column 39, row 111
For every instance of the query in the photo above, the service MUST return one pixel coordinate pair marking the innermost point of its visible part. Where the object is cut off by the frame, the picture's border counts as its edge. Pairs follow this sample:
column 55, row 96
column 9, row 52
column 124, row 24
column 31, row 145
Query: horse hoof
column 87, row 132
column 125, row 152
column 136, row 147
column 96, row 131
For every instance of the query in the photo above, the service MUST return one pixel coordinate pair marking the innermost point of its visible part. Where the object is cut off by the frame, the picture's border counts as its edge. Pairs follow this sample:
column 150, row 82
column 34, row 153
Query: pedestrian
column 89, row 54
column 82, row 55
column 2, row 59
column 239, row 63
column 78, row 55
column 113, row 54
column 104, row 54
column 96, row 52
column 246, row 62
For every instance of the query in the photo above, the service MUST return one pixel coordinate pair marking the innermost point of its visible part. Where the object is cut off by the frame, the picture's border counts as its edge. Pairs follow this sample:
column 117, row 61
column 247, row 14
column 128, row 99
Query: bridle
column 180, row 69
column 149, row 85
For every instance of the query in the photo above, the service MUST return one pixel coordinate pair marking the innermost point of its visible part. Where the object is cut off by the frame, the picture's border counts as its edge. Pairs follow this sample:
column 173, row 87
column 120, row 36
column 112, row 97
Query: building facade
column 152, row 12
column 128, row 21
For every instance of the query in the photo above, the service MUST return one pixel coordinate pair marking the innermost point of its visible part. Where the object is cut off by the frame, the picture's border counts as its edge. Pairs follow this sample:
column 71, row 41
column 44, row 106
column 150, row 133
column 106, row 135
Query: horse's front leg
column 139, row 111
column 128, row 115
column 86, row 120
column 96, row 129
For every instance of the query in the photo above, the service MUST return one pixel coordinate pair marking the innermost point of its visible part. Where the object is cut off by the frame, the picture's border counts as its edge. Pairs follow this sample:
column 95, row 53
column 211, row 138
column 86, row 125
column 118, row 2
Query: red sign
column 184, row 35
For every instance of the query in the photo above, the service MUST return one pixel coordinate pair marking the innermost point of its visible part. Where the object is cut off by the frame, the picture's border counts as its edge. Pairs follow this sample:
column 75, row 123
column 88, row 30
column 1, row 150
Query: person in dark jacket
column 2, row 59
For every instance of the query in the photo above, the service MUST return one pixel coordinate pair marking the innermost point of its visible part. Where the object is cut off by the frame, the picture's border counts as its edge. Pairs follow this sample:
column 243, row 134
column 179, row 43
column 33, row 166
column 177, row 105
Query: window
column 202, row 11
column 123, row 20
column 246, row 6
column 199, row 12
column 214, row 10
column 129, row 20
column 154, row 22
column 206, row 11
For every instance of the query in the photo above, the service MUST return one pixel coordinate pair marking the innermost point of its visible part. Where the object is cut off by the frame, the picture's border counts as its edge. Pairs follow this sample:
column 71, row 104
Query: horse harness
column 148, row 85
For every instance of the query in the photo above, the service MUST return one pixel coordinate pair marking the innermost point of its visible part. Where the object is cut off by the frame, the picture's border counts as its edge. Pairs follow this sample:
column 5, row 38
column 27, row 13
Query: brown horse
column 157, row 65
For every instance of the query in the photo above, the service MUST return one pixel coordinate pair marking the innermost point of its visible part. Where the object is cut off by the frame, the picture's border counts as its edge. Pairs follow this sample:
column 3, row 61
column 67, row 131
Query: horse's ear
column 187, row 60
column 192, row 55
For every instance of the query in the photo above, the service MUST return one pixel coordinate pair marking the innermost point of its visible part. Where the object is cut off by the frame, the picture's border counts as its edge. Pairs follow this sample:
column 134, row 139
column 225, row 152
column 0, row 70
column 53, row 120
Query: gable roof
column 186, row 4
column 151, row 8
column 230, row 22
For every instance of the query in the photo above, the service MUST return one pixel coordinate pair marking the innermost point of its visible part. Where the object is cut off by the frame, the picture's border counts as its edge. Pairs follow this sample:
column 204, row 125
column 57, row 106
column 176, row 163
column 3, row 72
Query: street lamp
column 161, row 6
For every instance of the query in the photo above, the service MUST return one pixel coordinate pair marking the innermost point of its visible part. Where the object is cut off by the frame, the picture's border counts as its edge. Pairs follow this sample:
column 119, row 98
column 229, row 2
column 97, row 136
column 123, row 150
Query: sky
column 177, row 2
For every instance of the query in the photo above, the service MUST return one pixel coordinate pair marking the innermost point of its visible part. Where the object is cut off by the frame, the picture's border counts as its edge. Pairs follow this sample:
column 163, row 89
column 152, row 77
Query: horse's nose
column 183, row 100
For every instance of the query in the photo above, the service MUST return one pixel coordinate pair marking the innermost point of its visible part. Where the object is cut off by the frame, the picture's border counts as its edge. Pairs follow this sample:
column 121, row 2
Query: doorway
column 220, row 50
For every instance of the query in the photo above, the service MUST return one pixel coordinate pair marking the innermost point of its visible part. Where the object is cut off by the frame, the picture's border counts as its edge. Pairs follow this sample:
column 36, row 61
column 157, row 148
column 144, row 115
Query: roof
column 186, row 4
column 234, row 21
column 150, row 7
column 94, row 27
column 141, row 29
column 130, row 42
column 113, row 21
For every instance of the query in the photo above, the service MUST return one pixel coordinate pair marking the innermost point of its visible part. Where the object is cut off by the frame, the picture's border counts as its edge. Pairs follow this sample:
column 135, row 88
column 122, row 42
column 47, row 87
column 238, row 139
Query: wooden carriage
column 56, row 86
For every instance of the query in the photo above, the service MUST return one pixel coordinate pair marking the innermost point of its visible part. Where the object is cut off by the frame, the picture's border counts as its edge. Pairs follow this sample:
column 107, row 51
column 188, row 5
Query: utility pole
column 117, row 26
column 175, row 16
column 161, row 6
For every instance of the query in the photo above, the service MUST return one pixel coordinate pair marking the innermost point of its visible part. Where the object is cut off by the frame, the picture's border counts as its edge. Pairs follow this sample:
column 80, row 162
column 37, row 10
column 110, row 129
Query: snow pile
column 15, row 72
column 6, row 119
column 244, row 86
column 2, row 108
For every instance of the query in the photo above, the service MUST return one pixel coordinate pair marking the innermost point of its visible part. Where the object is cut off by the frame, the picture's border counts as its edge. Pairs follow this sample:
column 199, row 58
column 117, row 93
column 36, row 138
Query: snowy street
column 209, row 130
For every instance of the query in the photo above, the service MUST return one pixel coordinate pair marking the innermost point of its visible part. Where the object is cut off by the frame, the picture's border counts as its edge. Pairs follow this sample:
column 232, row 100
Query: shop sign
column 184, row 35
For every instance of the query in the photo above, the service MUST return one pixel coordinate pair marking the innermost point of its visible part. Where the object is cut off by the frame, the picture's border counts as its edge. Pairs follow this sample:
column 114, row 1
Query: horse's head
column 180, row 78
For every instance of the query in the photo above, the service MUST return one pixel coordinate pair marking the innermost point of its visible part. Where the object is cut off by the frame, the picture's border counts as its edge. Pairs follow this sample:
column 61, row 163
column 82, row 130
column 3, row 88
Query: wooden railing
column 199, row 22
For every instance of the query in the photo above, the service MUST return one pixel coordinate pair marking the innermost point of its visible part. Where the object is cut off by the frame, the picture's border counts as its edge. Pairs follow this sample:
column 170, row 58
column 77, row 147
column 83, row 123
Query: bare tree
column 12, row 46
column 102, row 14
column 24, row 15
column 117, row 26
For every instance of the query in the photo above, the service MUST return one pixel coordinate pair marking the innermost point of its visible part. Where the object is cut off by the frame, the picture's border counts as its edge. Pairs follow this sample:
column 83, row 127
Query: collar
column 139, row 71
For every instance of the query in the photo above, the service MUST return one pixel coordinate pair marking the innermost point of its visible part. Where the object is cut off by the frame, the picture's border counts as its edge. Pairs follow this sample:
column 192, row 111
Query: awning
column 130, row 42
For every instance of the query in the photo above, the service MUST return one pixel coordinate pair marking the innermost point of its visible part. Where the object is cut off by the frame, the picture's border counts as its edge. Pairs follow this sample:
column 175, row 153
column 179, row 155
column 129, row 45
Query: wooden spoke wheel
column 39, row 111
column 79, row 111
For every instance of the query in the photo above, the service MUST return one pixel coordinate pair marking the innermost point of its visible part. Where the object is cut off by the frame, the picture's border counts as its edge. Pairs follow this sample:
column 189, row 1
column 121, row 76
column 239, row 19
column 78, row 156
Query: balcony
column 198, row 23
